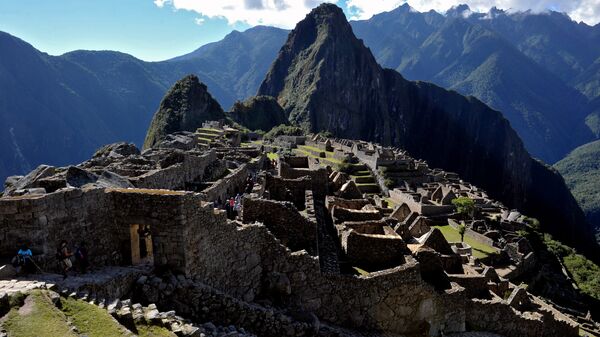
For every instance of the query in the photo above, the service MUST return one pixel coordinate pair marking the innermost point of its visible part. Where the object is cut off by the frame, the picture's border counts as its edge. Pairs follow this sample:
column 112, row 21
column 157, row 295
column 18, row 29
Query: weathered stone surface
column 350, row 191
column 117, row 150
column 30, row 180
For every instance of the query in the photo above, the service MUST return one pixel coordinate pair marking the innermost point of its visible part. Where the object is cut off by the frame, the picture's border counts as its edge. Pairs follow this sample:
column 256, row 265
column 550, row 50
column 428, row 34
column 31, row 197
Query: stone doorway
column 141, row 245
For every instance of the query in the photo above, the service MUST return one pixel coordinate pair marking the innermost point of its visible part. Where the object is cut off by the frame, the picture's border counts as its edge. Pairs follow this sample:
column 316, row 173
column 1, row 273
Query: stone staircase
column 364, row 179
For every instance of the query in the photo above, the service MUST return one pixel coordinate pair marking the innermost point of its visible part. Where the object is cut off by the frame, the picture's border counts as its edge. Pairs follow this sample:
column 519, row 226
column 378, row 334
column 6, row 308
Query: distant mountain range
column 540, row 70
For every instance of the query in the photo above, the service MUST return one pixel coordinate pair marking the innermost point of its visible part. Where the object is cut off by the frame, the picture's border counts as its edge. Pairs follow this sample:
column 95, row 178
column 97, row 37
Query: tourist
column 81, row 256
column 231, row 208
column 64, row 257
column 23, row 260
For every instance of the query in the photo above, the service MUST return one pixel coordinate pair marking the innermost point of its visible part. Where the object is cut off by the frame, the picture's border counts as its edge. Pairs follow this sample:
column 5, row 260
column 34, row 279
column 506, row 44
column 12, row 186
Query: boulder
column 183, row 140
column 117, row 150
column 30, row 180
column 77, row 177
column 7, row 272
column 110, row 179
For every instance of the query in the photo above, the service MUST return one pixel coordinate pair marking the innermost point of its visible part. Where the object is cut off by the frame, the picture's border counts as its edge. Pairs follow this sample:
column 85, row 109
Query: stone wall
column 473, row 234
column 497, row 316
column 331, row 201
column 239, row 260
column 400, row 197
column 294, row 230
column 319, row 178
column 228, row 186
column 292, row 190
column 373, row 251
column 178, row 176
column 343, row 214
column 103, row 218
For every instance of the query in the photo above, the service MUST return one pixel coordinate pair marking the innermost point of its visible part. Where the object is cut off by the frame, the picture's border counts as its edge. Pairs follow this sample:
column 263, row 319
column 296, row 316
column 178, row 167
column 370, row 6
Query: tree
column 464, row 206
column 461, row 230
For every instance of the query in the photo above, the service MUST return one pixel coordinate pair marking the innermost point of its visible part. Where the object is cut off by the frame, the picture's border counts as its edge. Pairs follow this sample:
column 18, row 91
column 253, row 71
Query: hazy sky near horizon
column 160, row 29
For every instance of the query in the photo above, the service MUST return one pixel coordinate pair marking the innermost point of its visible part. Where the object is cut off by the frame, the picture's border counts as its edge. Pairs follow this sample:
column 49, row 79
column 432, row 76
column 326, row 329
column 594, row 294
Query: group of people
column 233, row 207
column 24, row 263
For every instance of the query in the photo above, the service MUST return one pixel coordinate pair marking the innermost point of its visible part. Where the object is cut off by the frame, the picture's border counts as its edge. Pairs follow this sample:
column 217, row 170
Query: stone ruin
column 309, row 255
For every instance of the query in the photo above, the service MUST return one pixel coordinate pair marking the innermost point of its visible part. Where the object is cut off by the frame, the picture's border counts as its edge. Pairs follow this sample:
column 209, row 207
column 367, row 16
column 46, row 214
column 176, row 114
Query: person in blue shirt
column 23, row 262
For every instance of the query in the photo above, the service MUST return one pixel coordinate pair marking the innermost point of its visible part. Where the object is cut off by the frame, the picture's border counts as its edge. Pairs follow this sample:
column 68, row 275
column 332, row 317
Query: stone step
column 369, row 188
column 364, row 179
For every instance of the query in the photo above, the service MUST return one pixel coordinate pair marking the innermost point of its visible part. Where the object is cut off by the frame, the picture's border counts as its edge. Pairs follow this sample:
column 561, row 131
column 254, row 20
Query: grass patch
column 480, row 250
column 154, row 331
column 91, row 320
column 328, row 160
column 361, row 173
column 272, row 156
column 38, row 317
column 360, row 271
column 391, row 203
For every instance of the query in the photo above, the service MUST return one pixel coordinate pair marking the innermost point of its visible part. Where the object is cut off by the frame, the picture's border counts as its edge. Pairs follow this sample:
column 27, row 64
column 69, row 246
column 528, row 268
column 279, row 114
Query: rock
column 183, row 140
column 31, row 180
column 77, row 177
column 112, row 180
column 350, row 191
column 7, row 272
column 117, row 150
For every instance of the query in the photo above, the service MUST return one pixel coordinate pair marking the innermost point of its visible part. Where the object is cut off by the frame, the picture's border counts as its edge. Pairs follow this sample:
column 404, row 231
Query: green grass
column 331, row 161
column 272, row 155
column 391, row 203
column 360, row 271
column 313, row 148
column 480, row 250
column 154, row 331
column 91, row 320
column 361, row 173
column 41, row 318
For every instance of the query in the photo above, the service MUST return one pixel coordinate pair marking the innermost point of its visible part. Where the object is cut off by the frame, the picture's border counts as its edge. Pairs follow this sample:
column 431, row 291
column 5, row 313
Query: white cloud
column 579, row 10
column 200, row 21
column 279, row 13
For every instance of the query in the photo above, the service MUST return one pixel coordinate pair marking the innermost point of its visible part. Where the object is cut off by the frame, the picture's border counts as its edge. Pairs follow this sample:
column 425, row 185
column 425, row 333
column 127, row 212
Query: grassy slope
column 91, row 320
column 38, row 317
column 480, row 250
column 581, row 170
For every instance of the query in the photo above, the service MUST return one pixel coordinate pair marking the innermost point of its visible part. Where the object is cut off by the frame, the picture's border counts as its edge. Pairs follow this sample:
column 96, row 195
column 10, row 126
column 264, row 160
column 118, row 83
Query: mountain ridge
column 327, row 80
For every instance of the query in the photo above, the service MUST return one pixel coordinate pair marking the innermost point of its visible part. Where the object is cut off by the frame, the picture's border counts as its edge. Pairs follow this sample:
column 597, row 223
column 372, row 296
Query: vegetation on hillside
column 581, row 170
column 584, row 272
column 284, row 130
column 258, row 113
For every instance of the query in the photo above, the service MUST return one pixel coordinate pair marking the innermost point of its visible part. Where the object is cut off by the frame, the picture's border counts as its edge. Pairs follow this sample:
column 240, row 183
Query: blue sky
column 160, row 29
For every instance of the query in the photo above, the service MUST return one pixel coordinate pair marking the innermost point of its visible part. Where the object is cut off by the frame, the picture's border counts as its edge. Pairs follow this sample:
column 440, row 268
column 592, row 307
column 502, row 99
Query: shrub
column 389, row 183
column 464, row 206
column 281, row 130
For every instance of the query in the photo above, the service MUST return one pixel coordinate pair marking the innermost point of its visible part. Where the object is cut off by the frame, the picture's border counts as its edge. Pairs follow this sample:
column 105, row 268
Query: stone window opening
column 141, row 245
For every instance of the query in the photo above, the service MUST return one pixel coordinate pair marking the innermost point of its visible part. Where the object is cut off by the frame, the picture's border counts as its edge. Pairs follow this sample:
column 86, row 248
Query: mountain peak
column 187, row 104
column 462, row 10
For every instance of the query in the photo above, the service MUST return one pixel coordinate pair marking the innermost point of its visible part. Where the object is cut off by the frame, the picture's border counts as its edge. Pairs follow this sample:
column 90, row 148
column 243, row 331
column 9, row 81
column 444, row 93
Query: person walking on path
column 64, row 256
